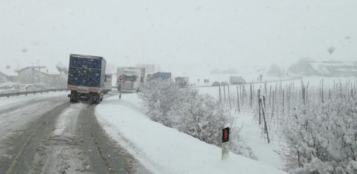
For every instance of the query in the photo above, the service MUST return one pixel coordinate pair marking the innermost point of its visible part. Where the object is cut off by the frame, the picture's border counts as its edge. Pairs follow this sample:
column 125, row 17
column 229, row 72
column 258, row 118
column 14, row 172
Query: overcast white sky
column 178, row 34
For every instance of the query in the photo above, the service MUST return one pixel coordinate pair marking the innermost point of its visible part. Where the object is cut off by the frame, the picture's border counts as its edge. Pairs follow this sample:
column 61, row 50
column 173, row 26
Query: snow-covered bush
column 200, row 116
column 159, row 97
column 322, row 138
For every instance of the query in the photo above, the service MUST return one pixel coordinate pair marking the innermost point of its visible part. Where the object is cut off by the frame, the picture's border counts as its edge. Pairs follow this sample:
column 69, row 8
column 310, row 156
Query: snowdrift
column 166, row 150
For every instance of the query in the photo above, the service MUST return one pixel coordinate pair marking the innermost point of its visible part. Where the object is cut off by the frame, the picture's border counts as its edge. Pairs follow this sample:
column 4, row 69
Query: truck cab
column 132, row 79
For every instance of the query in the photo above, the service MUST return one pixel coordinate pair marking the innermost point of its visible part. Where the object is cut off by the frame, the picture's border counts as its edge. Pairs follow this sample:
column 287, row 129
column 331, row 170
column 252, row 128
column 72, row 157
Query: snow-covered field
column 313, row 82
column 166, row 150
column 197, row 79
column 252, row 134
column 328, row 81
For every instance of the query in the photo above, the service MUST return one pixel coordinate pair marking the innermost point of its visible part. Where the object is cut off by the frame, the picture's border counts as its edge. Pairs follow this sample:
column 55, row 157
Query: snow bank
column 251, row 134
column 166, row 150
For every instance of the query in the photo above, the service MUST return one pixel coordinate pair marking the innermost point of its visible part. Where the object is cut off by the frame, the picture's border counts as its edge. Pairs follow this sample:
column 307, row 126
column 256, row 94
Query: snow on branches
column 200, row 116
column 322, row 138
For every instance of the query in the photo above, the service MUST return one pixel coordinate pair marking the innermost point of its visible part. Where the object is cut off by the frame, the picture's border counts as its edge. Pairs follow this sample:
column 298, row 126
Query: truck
column 160, row 75
column 236, row 80
column 86, row 78
column 131, row 79
column 182, row 82
column 108, row 83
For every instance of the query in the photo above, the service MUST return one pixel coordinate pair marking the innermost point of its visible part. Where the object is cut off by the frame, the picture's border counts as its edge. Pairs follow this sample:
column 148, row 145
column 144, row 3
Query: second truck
column 131, row 79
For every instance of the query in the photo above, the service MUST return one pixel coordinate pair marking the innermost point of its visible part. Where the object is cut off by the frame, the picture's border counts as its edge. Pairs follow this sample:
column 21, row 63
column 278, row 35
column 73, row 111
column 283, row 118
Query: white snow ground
column 165, row 150
column 251, row 135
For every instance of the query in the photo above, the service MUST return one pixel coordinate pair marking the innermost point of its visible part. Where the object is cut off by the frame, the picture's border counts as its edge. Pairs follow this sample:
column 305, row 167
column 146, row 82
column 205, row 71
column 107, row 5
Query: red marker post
column 225, row 143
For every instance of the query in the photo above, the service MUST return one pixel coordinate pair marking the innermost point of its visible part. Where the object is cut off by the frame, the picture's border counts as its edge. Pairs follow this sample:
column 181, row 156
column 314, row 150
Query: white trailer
column 107, row 83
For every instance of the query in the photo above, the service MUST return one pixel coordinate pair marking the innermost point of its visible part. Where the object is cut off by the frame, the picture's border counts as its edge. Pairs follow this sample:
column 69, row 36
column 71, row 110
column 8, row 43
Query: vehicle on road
column 216, row 84
column 236, row 80
column 181, row 81
column 224, row 83
column 160, row 75
column 132, row 79
column 108, row 83
column 86, row 78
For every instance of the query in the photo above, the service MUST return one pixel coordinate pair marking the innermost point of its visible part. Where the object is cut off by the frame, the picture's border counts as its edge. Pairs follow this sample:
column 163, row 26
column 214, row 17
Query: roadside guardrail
column 30, row 92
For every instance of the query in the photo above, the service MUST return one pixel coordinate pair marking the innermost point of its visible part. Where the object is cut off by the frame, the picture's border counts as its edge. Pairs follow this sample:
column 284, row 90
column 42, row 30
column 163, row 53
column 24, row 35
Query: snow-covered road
column 16, row 115
column 61, row 149
column 48, row 134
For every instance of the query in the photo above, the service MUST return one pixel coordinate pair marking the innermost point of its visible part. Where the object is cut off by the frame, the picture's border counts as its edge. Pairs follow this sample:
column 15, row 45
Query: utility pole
column 33, row 72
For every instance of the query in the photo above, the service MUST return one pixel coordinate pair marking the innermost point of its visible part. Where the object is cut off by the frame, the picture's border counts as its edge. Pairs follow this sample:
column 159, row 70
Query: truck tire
column 94, row 99
column 72, row 99
column 97, row 101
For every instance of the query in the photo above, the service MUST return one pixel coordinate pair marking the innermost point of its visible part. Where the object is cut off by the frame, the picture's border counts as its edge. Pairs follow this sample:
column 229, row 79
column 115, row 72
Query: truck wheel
column 72, row 100
column 96, row 99
column 91, row 99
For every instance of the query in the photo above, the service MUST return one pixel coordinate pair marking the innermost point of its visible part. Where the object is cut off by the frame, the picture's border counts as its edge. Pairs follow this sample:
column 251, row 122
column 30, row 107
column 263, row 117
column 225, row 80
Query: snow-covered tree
column 275, row 70
column 303, row 67
column 61, row 68
column 322, row 139
column 200, row 116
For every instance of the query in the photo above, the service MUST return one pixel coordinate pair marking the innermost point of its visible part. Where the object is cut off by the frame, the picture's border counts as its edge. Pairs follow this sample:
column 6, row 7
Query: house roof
column 35, row 68
column 44, row 70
